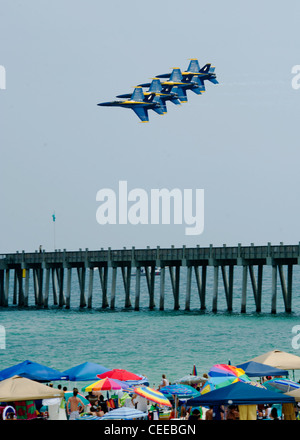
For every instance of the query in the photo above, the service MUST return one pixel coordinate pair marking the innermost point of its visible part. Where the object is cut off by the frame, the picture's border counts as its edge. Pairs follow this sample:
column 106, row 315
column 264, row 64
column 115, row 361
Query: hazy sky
column 239, row 141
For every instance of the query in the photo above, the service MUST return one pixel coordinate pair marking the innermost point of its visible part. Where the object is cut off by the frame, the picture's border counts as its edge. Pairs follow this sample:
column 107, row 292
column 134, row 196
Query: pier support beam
column 162, row 288
column 60, row 276
column 137, row 288
column 244, row 289
column 113, row 287
column 126, row 275
column 81, row 271
column 54, row 286
column 68, row 292
column 47, row 285
column 150, row 277
column 103, row 274
column 201, row 285
column 175, row 281
column 6, row 288
column 188, row 287
column 38, row 286
column 215, row 291
column 286, row 289
column 274, row 288
column 228, row 286
column 90, row 291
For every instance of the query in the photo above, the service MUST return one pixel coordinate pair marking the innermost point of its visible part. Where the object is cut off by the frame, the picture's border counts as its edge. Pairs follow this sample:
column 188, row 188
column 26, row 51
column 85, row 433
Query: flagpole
column 54, row 218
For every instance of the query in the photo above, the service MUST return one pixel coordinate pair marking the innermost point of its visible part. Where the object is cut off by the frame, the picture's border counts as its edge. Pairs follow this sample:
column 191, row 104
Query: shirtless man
column 75, row 405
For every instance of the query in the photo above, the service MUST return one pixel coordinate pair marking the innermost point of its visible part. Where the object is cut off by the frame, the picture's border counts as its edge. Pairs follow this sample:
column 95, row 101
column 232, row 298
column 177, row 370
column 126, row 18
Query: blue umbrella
column 34, row 371
column 85, row 372
column 124, row 413
column 180, row 390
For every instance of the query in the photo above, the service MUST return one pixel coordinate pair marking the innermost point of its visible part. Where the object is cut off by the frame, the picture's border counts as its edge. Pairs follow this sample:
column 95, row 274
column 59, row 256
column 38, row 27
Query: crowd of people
column 96, row 404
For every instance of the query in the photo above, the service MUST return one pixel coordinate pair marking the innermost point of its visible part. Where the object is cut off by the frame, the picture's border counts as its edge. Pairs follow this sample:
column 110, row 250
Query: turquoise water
column 148, row 342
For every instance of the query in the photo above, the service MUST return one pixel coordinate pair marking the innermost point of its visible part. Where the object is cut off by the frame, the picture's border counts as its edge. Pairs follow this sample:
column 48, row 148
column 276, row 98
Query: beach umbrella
column 119, row 374
column 217, row 382
column 281, row 385
column 279, row 359
column 180, row 390
column 88, row 417
column 144, row 381
column 107, row 384
column 80, row 396
column 85, row 372
column 124, row 413
column 152, row 395
column 220, row 370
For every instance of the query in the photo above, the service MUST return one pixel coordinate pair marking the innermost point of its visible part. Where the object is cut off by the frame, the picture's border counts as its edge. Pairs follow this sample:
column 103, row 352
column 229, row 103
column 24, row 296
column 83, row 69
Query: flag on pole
column 194, row 370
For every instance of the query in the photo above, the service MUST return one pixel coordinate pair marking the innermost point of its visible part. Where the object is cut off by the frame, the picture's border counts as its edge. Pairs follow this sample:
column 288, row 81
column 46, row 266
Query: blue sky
column 239, row 141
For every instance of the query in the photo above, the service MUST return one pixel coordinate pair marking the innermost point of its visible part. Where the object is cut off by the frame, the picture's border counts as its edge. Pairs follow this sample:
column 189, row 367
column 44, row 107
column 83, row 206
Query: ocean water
column 149, row 342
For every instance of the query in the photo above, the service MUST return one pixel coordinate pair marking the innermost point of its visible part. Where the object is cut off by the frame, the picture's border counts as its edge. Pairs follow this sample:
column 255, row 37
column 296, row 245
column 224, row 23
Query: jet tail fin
column 193, row 66
column 176, row 75
column 205, row 69
column 138, row 94
column 155, row 86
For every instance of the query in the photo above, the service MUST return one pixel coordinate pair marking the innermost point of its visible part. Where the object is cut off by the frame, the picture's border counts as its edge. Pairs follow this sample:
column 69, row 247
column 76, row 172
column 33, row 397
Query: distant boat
column 143, row 271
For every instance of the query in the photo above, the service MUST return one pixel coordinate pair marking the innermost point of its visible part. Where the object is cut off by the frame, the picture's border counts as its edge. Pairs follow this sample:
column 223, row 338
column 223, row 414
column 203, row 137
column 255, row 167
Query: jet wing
column 142, row 113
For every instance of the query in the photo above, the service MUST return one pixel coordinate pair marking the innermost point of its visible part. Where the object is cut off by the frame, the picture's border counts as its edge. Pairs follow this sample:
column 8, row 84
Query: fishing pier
column 55, row 269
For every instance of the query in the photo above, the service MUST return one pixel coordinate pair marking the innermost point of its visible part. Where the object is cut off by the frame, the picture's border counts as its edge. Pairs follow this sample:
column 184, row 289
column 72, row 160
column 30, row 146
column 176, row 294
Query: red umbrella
column 119, row 374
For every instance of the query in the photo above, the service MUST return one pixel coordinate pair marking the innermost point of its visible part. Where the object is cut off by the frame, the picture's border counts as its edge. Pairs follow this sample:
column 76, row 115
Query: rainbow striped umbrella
column 152, row 395
column 217, row 382
column 220, row 370
column 107, row 384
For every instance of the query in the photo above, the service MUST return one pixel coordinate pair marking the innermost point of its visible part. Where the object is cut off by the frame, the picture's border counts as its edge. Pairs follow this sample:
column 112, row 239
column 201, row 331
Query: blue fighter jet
column 139, row 103
column 162, row 94
column 180, row 84
column 195, row 73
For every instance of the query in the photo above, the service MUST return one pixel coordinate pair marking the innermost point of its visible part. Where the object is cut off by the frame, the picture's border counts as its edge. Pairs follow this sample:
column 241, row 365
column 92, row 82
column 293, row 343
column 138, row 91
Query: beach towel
column 25, row 410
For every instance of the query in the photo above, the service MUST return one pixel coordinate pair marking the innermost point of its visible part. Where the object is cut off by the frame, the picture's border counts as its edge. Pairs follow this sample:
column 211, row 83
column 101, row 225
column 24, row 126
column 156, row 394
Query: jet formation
column 166, row 87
